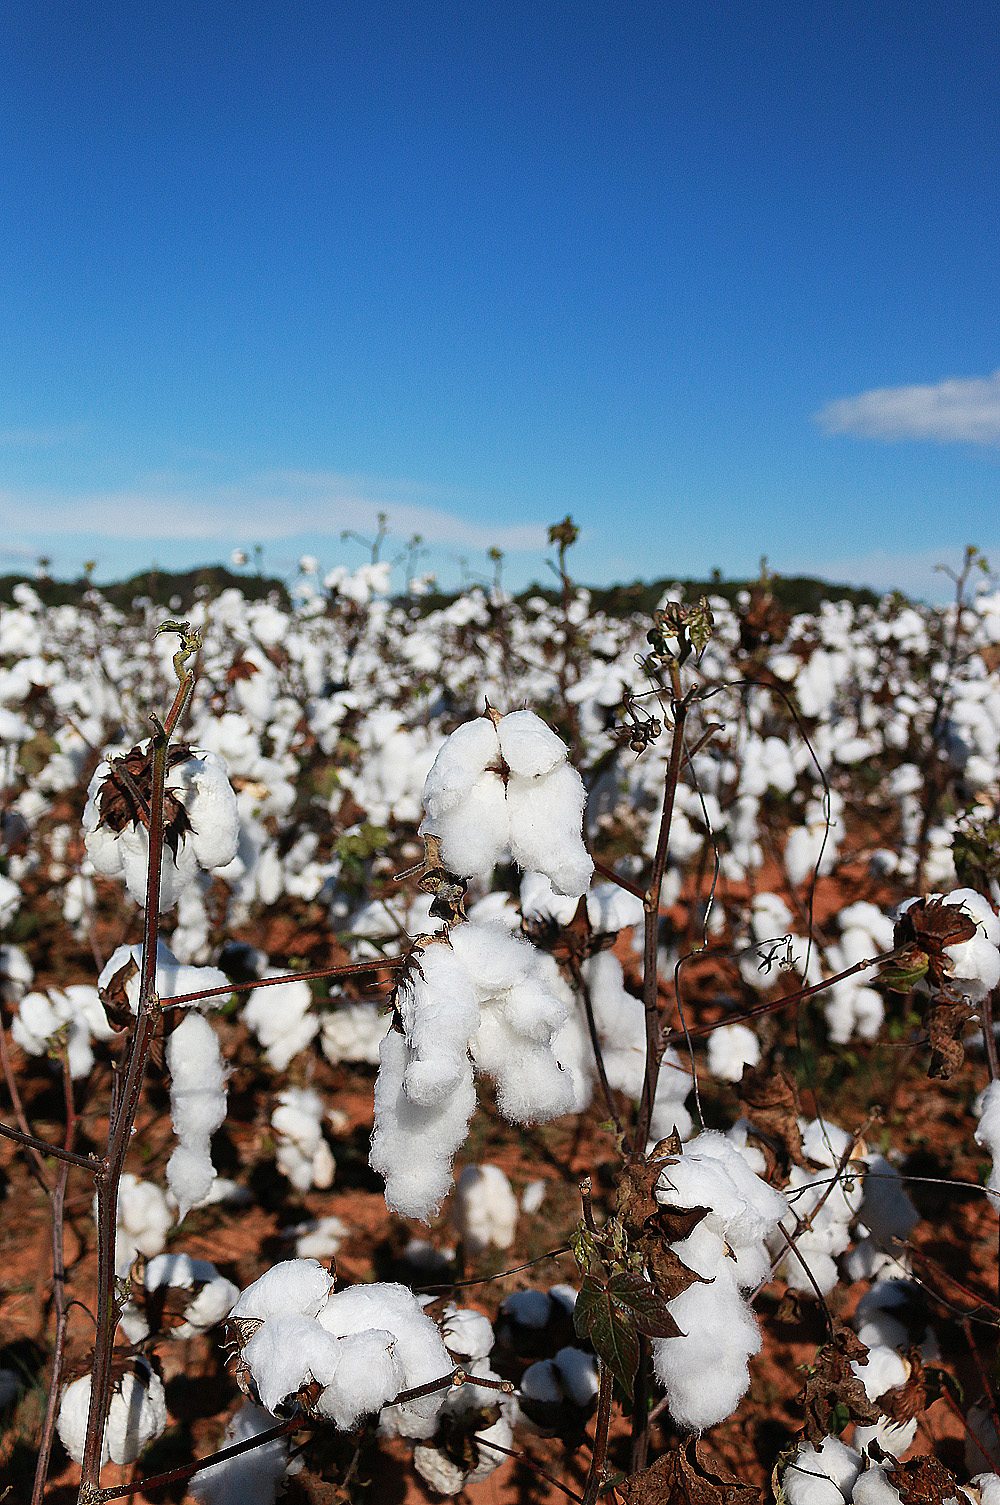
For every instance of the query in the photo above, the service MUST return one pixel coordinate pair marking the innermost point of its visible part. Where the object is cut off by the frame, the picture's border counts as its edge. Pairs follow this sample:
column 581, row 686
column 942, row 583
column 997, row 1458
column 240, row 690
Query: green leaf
column 610, row 1316
column 610, row 1329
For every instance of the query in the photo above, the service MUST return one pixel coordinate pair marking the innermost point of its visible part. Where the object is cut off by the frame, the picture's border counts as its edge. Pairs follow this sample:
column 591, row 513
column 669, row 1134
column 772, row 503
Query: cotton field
column 504, row 1050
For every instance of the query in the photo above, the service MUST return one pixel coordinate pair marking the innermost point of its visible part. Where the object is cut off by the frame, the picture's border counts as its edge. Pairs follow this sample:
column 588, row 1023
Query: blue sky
column 719, row 279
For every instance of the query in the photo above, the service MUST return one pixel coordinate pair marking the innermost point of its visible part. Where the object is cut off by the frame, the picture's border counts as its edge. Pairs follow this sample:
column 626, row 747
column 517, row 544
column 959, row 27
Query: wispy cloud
column 277, row 505
column 916, row 572
column 41, row 438
column 961, row 410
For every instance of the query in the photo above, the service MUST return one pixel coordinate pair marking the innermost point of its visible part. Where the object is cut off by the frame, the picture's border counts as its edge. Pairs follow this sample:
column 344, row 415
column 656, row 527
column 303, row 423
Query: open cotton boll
column 975, row 964
column 886, row 1215
column 137, row 1415
column 319, row 1238
column 302, row 1153
column 213, row 1294
column 484, row 1213
column 730, row 1048
column 281, row 1019
column 251, row 1478
column 672, row 1087
column 884, row 1369
column 368, row 1375
column 173, row 978
column 891, row 1436
column 467, row 1334
column 197, row 1108
column 144, row 1220
column 875, row 1487
column 353, row 1032
column 474, row 835
column 827, row 1211
column 292, row 1286
column 821, row 1476
column 988, row 1132
column 531, row 1085
column 200, row 812
column 417, row 1346
column 413, row 1146
column 16, row 973
column 705, row 1371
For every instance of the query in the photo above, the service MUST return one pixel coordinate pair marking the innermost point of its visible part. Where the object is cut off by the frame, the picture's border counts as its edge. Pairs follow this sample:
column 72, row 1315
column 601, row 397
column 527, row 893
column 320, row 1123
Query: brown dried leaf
column 114, row 997
column 925, row 1481
column 682, row 1477
column 910, row 1398
column 676, row 1223
column 636, row 1204
column 946, row 1023
column 832, row 1384
column 669, row 1274
column 770, row 1101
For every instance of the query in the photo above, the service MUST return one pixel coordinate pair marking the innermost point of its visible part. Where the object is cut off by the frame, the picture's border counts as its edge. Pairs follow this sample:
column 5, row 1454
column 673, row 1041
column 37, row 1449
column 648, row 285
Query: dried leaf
column 676, row 1223
column 925, row 1481
column 833, row 1386
column 114, row 997
column 946, row 1023
column 910, row 1398
column 771, row 1102
column 682, row 1477
column 636, row 1204
column 669, row 1274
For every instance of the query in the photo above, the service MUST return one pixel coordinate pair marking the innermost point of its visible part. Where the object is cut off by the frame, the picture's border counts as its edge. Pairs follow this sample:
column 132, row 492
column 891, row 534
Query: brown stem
column 42, row 1147
column 58, row 1297
column 350, row 969
column 26, row 1138
column 640, row 1409
column 651, row 903
column 529, row 1462
column 602, row 1075
column 177, row 1475
column 123, row 1116
column 602, row 1427
column 613, row 877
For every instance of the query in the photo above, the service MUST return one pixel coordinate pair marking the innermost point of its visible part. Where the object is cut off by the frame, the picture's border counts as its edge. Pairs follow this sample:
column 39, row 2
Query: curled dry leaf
column 682, row 1477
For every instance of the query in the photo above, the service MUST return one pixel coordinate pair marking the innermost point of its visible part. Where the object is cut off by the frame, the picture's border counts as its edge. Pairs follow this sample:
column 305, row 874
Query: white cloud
column 267, row 507
column 961, row 410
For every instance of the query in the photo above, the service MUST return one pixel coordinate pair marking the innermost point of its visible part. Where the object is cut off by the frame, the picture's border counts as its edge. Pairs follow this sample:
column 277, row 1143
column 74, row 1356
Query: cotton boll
column 884, row 1369
column 533, row 1196
column 251, row 1478
column 144, row 1219
column 173, row 978
column 730, row 1048
column 467, row 1334
column 975, row 964
column 137, row 1415
column 892, row 1437
column 672, row 1088
column 213, row 1295
column 484, row 1213
column 461, row 760
column 531, row 1085
column 705, row 1373
column 439, row 1472
column 197, row 1108
column 281, row 1019
column 293, row 1286
column 353, row 1032
column 821, row 1476
column 988, row 1132
column 413, row 1146
column 302, row 1154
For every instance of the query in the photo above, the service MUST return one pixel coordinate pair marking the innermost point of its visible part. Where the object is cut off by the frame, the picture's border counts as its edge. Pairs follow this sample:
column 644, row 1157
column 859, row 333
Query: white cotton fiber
column 546, row 818
column 467, row 1334
column 287, row 1352
column 439, row 1012
column 705, row 1370
column 474, row 835
column 197, row 1108
column 529, row 747
column 730, row 1048
column 302, row 1154
column 136, row 1416
column 413, row 1146
column 484, row 1213
column 461, row 760
column 353, row 1032
column 251, row 1478
column 821, row 1476
column 282, row 1019
column 294, row 1285
column 988, row 1131
column 369, row 1373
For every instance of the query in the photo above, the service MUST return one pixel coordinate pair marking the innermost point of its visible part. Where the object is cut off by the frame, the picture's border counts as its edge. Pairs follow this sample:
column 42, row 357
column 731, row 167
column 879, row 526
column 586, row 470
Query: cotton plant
column 136, row 1417
column 180, row 1295
column 72, row 1016
column 200, row 815
column 822, row 1197
column 282, row 1018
